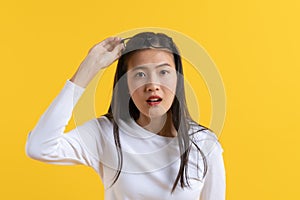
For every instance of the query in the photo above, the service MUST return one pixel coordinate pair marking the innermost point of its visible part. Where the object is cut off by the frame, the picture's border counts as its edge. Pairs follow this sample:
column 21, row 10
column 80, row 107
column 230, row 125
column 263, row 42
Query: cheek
column 136, row 95
column 169, row 93
column 134, row 88
column 170, row 85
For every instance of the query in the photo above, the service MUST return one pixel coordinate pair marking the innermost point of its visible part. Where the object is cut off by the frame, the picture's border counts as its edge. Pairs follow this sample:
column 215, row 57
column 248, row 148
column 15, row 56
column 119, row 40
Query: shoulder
column 94, row 127
column 104, row 122
column 204, row 139
column 200, row 132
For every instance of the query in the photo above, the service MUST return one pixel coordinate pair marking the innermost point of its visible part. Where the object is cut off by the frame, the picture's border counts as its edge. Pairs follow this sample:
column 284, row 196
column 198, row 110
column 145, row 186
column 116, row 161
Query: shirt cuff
column 76, row 90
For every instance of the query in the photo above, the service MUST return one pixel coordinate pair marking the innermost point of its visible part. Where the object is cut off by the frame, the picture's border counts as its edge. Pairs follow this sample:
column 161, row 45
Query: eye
column 140, row 74
column 164, row 72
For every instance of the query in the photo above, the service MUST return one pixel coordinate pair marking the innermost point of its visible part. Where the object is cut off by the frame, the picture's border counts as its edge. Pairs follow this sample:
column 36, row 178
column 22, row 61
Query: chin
column 155, row 113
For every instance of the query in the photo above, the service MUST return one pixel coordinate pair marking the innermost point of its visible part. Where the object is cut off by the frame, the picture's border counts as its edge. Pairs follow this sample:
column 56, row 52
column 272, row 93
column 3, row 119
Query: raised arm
column 47, row 142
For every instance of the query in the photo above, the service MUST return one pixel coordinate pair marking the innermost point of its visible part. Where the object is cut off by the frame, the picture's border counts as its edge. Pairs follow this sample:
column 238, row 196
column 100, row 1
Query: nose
column 152, row 82
column 151, row 87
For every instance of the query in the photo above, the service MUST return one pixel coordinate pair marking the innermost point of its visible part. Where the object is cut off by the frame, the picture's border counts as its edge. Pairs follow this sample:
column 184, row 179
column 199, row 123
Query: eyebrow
column 145, row 66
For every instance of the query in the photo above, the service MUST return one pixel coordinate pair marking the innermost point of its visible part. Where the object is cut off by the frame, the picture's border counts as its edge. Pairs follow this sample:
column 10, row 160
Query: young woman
column 146, row 146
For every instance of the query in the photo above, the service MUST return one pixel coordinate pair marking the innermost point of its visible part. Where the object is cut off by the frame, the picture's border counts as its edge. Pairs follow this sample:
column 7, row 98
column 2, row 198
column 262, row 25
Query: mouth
column 154, row 100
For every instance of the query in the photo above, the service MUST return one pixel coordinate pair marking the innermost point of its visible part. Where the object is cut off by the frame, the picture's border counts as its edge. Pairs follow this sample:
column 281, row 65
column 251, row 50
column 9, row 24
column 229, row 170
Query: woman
column 146, row 146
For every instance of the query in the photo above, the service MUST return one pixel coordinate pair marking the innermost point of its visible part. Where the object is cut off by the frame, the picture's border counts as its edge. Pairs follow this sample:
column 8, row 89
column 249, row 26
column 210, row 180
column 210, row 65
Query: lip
column 154, row 103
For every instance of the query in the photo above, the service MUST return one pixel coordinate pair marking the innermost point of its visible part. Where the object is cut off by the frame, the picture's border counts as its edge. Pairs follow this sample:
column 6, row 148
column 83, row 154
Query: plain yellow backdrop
column 255, row 45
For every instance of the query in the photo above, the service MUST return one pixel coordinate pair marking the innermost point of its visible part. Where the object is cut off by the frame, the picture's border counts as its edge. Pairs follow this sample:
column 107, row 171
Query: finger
column 113, row 55
column 117, row 51
column 111, row 43
column 108, row 43
column 104, row 42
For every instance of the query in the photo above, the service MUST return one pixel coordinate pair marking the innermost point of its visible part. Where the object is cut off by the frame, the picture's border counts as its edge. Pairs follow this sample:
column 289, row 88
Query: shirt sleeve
column 48, row 143
column 215, row 181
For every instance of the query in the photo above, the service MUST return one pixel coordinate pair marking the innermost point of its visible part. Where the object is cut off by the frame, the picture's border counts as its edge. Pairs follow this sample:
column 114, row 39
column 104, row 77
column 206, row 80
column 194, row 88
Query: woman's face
column 152, row 79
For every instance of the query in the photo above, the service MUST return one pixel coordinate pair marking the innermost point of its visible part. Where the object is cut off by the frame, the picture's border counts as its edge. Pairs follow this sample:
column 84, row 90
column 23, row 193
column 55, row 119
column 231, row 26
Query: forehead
column 150, row 57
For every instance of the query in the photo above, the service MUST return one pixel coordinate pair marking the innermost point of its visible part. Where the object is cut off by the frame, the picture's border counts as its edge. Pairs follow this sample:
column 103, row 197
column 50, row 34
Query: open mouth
column 154, row 101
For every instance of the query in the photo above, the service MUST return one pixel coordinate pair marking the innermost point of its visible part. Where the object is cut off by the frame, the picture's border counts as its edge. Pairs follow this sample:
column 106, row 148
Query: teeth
column 153, row 100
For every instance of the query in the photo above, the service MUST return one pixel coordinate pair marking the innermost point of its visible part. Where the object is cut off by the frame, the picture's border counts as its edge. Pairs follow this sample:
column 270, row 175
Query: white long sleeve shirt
column 150, row 161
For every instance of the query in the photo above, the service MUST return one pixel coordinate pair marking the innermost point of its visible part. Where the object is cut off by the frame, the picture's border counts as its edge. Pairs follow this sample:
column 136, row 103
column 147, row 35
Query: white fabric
column 150, row 164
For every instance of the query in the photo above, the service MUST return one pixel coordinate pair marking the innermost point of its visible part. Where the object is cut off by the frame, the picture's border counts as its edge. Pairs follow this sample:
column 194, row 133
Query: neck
column 162, row 125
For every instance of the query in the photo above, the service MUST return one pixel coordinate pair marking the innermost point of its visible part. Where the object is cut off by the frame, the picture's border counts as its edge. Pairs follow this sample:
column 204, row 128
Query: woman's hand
column 99, row 56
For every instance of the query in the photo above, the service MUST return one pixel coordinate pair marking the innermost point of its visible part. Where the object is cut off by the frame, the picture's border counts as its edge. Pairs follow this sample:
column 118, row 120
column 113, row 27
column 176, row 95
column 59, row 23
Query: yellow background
column 255, row 45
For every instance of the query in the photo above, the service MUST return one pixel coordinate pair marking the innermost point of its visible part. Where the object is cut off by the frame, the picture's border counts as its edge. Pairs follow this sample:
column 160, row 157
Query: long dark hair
column 122, row 109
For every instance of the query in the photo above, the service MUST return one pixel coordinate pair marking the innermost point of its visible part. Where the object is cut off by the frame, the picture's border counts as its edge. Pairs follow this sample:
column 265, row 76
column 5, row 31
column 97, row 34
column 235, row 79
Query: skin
column 155, row 119
column 99, row 56
column 152, row 72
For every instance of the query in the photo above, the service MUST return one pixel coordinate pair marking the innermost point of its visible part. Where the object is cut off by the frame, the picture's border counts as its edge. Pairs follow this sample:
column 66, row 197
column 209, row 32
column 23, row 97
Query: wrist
column 82, row 78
